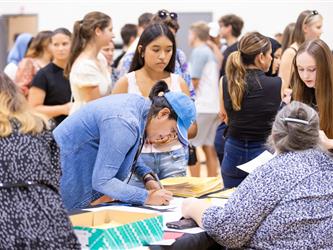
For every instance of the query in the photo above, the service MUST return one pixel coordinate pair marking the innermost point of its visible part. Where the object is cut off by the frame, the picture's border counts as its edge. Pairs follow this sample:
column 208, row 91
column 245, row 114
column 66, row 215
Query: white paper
column 163, row 242
column 261, row 159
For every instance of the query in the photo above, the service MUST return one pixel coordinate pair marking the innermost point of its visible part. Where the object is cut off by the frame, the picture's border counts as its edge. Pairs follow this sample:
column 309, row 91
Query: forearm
column 121, row 191
column 52, row 111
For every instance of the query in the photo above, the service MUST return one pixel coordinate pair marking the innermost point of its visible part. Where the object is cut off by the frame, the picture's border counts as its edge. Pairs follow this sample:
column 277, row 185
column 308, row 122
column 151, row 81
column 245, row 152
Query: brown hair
column 306, row 17
column 13, row 105
column 288, row 36
column 236, row 23
column 39, row 43
column 83, row 32
column 323, row 93
column 168, row 21
column 250, row 45
column 201, row 29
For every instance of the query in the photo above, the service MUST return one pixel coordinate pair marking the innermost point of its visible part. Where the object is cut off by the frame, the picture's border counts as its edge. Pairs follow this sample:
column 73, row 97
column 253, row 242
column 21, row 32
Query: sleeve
column 126, row 64
column 184, row 71
column 40, row 80
column 198, row 61
column 235, row 224
column 112, row 153
column 85, row 74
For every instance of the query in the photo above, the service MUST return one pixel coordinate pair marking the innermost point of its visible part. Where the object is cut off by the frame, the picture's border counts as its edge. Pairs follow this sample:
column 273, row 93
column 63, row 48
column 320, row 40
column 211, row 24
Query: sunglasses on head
column 164, row 14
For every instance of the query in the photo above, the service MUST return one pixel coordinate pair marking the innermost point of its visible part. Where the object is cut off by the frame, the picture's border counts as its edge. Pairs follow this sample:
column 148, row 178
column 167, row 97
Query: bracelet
column 147, row 178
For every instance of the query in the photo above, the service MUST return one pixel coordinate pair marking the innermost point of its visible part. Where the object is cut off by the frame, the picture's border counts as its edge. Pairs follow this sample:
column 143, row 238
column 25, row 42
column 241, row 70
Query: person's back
column 260, row 103
column 32, row 213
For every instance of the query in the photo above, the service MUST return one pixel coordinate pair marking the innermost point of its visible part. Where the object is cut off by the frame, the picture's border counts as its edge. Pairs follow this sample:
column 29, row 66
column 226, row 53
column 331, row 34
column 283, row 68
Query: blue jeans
column 165, row 165
column 237, row 152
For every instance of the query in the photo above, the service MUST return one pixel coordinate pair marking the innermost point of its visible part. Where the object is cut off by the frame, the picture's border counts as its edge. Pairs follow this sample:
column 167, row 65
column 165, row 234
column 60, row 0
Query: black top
column 226, row 53
column 57, row 89
column 259, row 106
column 32, row 217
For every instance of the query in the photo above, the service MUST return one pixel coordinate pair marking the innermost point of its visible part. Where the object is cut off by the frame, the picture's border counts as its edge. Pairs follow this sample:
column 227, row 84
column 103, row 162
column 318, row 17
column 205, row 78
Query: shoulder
column 121, row 86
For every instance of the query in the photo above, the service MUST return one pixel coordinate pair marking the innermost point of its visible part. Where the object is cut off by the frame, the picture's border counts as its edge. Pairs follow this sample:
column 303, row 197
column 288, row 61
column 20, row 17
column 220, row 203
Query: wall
column 267, row 17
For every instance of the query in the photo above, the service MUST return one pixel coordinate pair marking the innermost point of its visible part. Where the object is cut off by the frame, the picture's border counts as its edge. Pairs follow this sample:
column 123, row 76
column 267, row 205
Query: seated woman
column 286, row 203
column 32, row 213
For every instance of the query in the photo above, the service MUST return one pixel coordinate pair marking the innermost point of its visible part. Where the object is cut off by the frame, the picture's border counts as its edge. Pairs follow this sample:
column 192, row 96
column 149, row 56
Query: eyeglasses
column 164, row 14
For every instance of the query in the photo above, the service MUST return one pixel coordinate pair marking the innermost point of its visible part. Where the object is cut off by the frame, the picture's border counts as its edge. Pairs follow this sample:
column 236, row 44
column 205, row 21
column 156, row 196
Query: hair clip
column 161, row 93
column 314, row 12
column 295, row 120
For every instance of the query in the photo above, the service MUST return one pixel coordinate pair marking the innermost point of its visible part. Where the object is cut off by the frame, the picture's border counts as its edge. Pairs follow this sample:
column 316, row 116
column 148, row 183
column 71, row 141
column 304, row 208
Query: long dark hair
column 83, row 32
column 150, row 33
column 159, row 102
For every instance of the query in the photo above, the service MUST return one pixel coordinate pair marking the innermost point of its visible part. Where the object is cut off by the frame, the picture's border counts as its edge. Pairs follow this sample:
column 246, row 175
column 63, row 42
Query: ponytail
column 235, row 71
column 84, row 31
column 78, row 44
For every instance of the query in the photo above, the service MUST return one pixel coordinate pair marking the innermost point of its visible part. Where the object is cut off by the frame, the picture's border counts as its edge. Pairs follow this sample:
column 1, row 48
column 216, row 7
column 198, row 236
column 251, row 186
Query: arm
column 121, row 86
column 217, row 53
column 90, row 93
column 286, row 68
column 36, row 99
column 235, row 224
column 183, row 86
column 223, row 113
column 195, row 82
column 326, row 142
column 112, row 153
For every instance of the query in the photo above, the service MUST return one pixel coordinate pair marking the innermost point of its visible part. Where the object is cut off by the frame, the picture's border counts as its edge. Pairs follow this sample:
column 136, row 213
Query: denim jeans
column 237, row 152
column 166, row 164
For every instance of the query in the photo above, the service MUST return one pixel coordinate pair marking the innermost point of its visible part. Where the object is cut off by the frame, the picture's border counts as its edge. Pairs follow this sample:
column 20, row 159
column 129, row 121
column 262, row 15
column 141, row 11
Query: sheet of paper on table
column 256, row 162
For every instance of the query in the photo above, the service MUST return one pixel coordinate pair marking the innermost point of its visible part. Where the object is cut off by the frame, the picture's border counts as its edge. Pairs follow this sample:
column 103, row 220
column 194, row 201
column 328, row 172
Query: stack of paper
column 192, row 186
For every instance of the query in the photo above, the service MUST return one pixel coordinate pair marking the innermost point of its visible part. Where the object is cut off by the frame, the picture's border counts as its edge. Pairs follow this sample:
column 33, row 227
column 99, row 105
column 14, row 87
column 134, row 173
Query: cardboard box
column 116, row 229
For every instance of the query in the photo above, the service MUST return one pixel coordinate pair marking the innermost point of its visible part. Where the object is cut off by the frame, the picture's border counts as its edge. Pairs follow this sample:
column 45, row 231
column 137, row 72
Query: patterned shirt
column 285, row 204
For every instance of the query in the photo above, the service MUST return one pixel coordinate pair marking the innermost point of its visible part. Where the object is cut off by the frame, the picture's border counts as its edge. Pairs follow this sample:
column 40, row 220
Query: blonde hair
column 13, row 105
column 306, row 17
column 251, row 45
column 323, row 93
column 201, row 29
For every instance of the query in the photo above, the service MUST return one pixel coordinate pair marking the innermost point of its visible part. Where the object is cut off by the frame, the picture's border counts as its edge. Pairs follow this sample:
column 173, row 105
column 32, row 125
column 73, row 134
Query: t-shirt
column 226, row 53
column 87, row 73
column 260, row 103
column 203, row 66
column 57, row 89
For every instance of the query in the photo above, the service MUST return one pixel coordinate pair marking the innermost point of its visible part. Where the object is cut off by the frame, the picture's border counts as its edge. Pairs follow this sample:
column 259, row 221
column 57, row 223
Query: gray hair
column 296, row 127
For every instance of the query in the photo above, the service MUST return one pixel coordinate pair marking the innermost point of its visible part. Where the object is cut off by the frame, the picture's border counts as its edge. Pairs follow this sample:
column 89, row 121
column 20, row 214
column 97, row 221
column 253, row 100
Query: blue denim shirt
column 98, row 144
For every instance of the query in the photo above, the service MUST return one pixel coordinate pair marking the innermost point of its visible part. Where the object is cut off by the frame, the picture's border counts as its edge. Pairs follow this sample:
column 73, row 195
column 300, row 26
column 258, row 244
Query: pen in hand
column 157, row 180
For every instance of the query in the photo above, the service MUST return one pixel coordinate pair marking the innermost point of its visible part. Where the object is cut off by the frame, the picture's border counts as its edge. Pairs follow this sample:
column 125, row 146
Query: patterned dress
column 285, row 204
column 32, row 217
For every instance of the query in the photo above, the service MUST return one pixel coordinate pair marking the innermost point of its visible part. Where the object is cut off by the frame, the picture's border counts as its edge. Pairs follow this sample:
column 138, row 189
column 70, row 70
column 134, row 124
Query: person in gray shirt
column 286, row 203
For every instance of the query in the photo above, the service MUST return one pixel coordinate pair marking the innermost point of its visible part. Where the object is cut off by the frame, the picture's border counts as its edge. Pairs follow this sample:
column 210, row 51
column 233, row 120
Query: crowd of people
column 79, row 127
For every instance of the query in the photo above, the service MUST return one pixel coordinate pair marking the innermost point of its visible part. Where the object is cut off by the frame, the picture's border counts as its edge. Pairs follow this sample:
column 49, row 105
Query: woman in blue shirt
column 98, row 145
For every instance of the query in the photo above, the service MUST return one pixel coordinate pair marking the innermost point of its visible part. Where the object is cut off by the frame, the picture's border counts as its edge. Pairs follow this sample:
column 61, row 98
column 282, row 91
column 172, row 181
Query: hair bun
column 159, row 89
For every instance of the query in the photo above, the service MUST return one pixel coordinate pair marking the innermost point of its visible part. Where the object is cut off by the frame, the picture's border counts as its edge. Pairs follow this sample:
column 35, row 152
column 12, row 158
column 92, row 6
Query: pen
column 158, row 180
